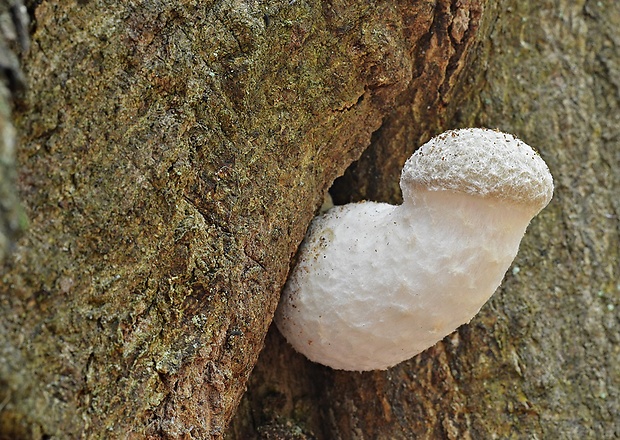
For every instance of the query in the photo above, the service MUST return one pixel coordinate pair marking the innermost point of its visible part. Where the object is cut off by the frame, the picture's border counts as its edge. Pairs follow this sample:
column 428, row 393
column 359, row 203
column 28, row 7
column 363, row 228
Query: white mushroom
column 375, row 284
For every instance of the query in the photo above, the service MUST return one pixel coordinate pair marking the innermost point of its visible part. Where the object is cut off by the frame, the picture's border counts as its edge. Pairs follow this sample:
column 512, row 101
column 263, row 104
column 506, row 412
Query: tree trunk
column 172, row 155
column 542, row 359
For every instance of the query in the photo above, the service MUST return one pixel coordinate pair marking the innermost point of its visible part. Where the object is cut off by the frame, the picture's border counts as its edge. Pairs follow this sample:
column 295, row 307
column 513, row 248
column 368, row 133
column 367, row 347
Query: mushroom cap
column 481, row 162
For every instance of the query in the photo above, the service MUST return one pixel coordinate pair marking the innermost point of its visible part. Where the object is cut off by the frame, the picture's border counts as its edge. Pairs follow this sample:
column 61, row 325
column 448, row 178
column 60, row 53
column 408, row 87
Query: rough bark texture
column 13, row 40
column 172, row 155
column 542, row 359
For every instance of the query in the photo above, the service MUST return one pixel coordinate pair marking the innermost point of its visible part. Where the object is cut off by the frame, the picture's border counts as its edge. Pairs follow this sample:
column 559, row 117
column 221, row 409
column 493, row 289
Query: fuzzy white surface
column 376, row 284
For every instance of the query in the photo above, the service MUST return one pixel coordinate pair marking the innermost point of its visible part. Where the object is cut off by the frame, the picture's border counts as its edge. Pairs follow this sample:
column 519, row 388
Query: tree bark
column 172, row 155
column 542, row 359
column 13, row 41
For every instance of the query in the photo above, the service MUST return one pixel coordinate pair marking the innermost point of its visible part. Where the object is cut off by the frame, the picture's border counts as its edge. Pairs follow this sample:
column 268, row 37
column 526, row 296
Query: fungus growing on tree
column 376, row 284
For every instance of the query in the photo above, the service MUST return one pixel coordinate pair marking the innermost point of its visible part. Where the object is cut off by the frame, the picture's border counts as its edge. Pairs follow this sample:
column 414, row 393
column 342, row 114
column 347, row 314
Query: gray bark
column 14, row 40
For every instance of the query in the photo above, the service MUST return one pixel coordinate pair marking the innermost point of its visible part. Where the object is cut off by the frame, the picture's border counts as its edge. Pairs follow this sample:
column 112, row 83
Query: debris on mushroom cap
column 375, row 284
column 483, row 162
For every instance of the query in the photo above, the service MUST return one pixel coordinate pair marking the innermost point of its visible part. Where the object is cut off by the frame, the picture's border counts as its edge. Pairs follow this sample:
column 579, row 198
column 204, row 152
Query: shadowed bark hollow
column 172, row 155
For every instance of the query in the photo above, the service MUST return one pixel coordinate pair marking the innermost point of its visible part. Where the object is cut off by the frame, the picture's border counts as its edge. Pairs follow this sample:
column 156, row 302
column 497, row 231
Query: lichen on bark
column 172, row 155
column 540, row 360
